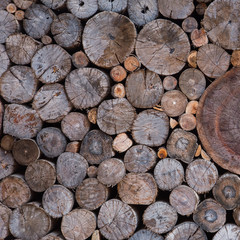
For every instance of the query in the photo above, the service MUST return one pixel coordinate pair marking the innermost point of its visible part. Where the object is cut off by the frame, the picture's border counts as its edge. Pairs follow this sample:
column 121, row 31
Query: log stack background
column 119, row 119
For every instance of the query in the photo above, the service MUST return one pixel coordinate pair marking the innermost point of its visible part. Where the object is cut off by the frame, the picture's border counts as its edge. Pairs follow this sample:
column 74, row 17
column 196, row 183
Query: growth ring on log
column 218, row 120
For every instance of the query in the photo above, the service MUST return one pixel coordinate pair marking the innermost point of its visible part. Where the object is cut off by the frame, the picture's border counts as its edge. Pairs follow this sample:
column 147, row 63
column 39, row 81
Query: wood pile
column 120, row 119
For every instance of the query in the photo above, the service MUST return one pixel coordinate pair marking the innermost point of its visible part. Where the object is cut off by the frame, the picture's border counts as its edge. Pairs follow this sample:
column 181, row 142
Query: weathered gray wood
column 5, row 213
column 18, row 84
column 80, row 59
column 54, row 4
column 51, row 142
column 3, row 4
column 187, row 122
column 151, row 128
column 91, row 194
column 162, row 47
column 228, row 232
column 112, row 5
column 189, row 24
column 236, row 215
column 51, row 103
column 1, row 115
column 24, row 4
column 53, row 236
column 67, row 30
column 115, row 116
column 113, row 214
column 21, row 122
column 118, row 90
column 142, row 11
column 145, row 234
column 51, row 63
column 144, row 89
column 4, row 60
column 114, row 39
column 169, row 83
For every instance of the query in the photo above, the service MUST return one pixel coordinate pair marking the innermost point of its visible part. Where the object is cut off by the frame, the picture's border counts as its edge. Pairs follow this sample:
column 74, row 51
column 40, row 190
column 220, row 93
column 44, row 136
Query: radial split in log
column 54, row 4
column 144, row 234
column 112, row 5
column 131, row 63
column 228, row 232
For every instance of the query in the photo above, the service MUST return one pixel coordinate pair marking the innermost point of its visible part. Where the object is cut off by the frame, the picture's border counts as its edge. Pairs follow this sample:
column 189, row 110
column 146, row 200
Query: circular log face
column 228, row 232
column 108, row 38
column 145, row 234
column 163, row 47
column 221, row 21
column 218, row 120
column 114, row 6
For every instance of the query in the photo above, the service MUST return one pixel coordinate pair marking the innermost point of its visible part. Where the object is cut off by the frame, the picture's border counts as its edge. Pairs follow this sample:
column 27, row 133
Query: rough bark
column 24, row 4
column 4, row 60
column 5, row 213
column 189, row 24
column 114, row 6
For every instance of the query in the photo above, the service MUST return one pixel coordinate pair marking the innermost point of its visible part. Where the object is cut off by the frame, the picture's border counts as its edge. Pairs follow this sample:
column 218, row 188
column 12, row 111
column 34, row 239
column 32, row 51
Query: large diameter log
column 24, row 4
column 53, row 236
column 114, row 6
column 54, row 4
column 218, row 120
column 163, row 47
column 5, row 213
column 144, row 234
column 4, row 60
column 114, row 41
column 3, row 4
column 228, row 232
column 117, row 220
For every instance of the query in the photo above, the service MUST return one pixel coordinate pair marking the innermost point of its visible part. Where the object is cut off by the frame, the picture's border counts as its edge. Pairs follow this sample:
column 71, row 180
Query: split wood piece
column 173, row 123
column 87, row 87
column 139, row 159
column 92, row 172
column 112, row 5
column 5, row 213
column 75, row 126
column 73, row 147
column 174, row 9
column 228, row 232
column 162, row 152
column 131, row 63
column 222, row 26
column 192, row 107
column 184, row 199
column 21, row 122
column 40, row 175
column 192, row 83
column 201, row 8
column 14, row 191
column 7, row 142
column 118, row 90
column 213, row 60
column 236, row 215
column 143, row 11
column 112, row 42
column 226, row 191
column 46, row 40
column 144, row 89
column 167, row 47
column 186, row 230
column 51, row 64
column 96, row 147
column 115, row 116
column 67, row 30
column 11, row 8
column 138, row 189
column 111, row 172
column 92, row 115
column 29, row 222
column 168, row 173
column 169, row 83
column 18, row 84
column 199, row 37
column 71, row 169
column 24, row 4
column 189, row 24
column 80, row 59
column 122, row 142
column 192, row 59
column 182, row 145
column 187, row 122
column 144, row 234
column 91, row 194
column 160, row 217
column 118, row 73
column 4, row 3
column 8, row 25
column 57, row 201
column 150, row 128
column 204, row 155
column 51, row 103
column 235, row 58
column 115, row 213
column 96, row 235
column 218, row 120
column 53, row 236
column 4, row 60
column 198, row 151
column 54, row 4
column 19, row 15
column 210, row 215
column 51, row 142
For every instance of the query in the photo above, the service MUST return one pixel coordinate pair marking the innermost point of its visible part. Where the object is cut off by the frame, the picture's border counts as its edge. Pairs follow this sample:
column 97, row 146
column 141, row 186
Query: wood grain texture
column 54, row 4
column 144, row 234
column 4, row 60
column 236, row 215
column 118, row 90
column 228, row 232
column 114, row 6
column 73, row 147
column 187, row 122
column 189, row 24
column 4, row 4
column 122, row 142
column 53, row 236
column 5, row 213
column 170, row 83
column 118, row 73
column 80, row 59
column 24, row 4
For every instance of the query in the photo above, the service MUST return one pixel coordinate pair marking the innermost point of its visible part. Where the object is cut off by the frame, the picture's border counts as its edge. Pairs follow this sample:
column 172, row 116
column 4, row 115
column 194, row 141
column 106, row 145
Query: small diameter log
column 92, row 115
column 226, row 191
column 236, row 215
column 75, row 126
column 114, row 41
column 80, row 59
column 184, row 199
column 92, row 172
column 3, row 4
column 160, row 217
column 168, row 173
column 144, row 89
column 87, row 87
column 111, row 172
column 46, row 40
column 14, row 191
column 228, row 232
column 199, row 37
column 213, row 60
column 51, row 142
column 118, row 90
column 19, row 15
column 11, row 8
column 67, row 30
column 7, row 142
column 4, row 60
column 201, row 175
column 144, row 234
column 53, row 236
column 151, row 128
column 162, row 153
column 5, row 213
column 114, row 6
column 73, row 147
column 21, row 122
column 139, row 159
column 24, row 4
column 138, row 189
column 235, row 58
column 189, row 24
column 118, row 73
column 187, row 122
column 131, row 63
column 51, row 63
column 143, row 11
column 201, row 8
column 122, row 142
column 169, row 83
column 192, row 59
column 51, row 103
column 40, row 175
column 91, row 194
column 186, row 230
column 71, row 169
column 115, row 116
column 182, row 145
column 78, row 224
column 210, row 215
column 57, row 201
column 54, row 4
column 115, row 213
column 192, row 107
column 29, row 222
